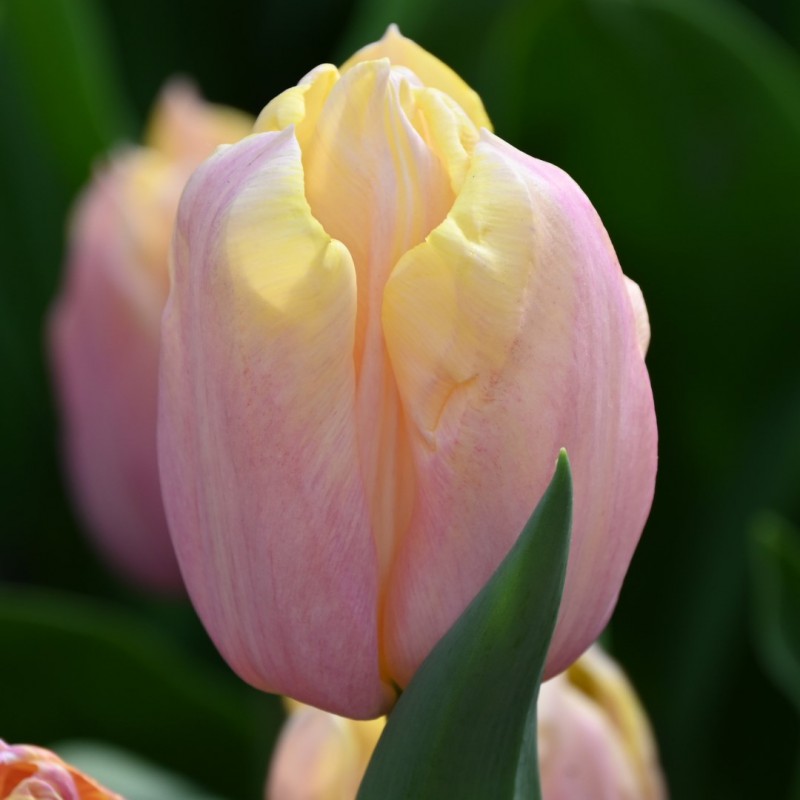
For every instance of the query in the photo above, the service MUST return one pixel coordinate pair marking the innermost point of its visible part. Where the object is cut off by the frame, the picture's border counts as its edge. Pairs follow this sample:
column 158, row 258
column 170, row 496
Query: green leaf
column 60, row 56
column 75, row 669
column 466, row 725
column 775, row 570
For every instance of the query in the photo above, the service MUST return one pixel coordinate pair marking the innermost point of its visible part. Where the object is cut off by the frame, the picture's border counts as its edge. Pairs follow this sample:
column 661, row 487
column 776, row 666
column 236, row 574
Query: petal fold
column 559, row 366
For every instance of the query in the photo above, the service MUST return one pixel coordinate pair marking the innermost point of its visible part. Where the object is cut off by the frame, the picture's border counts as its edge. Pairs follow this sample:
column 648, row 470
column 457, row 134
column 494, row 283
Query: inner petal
column 376, row 184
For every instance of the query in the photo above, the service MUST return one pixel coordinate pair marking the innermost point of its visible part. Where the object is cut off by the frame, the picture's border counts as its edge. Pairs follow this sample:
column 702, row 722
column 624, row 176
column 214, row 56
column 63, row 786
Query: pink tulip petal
column 257, row 433
column 559, row 367
column 103, row 331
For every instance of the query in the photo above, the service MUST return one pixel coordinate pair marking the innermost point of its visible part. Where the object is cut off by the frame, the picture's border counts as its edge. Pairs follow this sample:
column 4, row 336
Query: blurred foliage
column 776, row 621
column 77, row 670
column 680, row 118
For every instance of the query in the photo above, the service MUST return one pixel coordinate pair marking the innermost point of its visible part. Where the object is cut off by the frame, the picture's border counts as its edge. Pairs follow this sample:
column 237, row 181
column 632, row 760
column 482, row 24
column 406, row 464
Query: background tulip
column 33, row 773
column 384, row 323
column 321, row 756
column 104, row 331
column 594, row 740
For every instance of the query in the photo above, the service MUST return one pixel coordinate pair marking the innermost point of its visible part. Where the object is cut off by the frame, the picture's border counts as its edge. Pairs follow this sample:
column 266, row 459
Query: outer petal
column 257, row 437
column 497, row 375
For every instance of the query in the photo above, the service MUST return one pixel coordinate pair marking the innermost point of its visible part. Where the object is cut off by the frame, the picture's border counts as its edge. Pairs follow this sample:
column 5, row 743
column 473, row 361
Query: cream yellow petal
column 453, row 304
column 376, row 184
column 432, row 72
column 303, row 275
column 451, row 132
column 371, row 179
column 299, row 106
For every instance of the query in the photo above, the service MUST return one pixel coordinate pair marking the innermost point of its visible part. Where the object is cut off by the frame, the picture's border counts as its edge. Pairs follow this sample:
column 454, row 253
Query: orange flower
column 33, row 773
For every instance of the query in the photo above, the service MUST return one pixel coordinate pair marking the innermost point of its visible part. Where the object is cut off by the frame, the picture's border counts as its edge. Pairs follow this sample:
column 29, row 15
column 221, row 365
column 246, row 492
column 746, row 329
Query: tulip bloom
column 384, row 323
column 33, row 773
column 594, row 740
column 104, row 331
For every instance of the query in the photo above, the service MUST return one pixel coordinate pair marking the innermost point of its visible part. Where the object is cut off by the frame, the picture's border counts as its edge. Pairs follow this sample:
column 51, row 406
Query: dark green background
column 681, row 120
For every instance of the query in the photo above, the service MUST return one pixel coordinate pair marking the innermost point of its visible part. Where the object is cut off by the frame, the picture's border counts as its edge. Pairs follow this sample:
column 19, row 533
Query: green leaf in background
column 775, row 562
column 466, row 725
column 77, row 670
column 58, row 52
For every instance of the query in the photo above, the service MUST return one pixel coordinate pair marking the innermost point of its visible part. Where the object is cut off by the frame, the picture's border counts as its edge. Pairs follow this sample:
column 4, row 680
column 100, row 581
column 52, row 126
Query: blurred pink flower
column 321, row 756
column 595, row 742
column 104, row 331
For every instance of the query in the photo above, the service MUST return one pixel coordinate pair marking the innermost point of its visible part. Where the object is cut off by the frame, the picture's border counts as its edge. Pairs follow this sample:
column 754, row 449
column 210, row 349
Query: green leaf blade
column 465, row 726
column 775, row 562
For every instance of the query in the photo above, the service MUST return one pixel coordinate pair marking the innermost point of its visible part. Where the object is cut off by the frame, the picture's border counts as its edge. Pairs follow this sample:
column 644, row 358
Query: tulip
column 104, row 332
column 321, row 756
column 383, row 325
column 33, row 773
column 595, row 743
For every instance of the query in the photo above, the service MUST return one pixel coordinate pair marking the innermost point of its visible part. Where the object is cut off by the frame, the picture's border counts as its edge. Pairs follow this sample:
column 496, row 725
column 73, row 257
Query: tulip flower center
column 376, row 184
column 384, row 158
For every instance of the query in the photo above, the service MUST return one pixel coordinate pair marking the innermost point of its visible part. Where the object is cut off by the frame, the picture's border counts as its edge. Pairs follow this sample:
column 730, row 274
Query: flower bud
column 384, row 323
column 594, row 741
column 104, row 331
column 33, row 773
